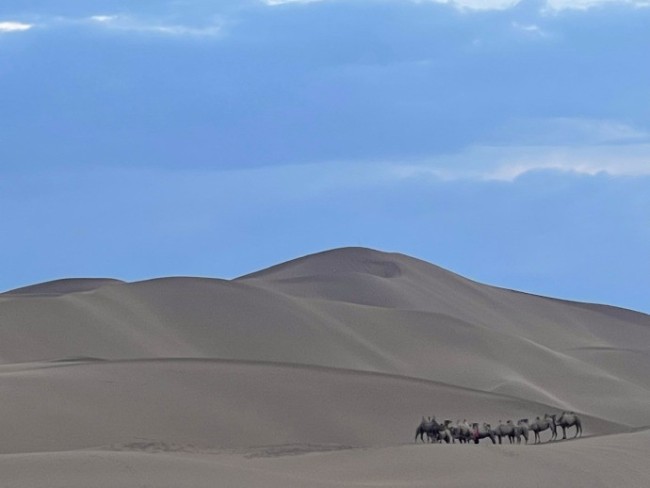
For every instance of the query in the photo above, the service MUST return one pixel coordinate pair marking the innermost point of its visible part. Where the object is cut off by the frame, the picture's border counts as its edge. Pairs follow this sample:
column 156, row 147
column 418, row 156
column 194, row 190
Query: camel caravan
column 464, row 432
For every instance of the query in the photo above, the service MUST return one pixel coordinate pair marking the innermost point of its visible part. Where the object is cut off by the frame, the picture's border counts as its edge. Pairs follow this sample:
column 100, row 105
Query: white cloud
column 9, row 26
column 461, row 4
column 478, row 5
column 530, row 29
column 103, row 18
column 557, row 5
column 577, row 145
column 634, row 161
column 282, row 2
column 572, row 131
column 502, row 163
column 127, row 23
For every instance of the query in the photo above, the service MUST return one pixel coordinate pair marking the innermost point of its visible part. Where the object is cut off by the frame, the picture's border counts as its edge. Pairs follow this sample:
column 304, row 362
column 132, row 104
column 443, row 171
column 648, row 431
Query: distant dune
column 61, row 287
column 344, row 349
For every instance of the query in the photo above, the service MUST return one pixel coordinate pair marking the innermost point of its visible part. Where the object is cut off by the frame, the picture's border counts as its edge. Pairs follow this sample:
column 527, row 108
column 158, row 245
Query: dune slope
column 355, row 309
column 127, row 383
column 229, row 404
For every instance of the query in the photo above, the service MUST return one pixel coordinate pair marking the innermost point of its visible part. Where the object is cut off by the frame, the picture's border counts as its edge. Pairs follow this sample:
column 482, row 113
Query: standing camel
column 482, row 432
column 444, row 432
column 569, row 419
column 462, row 431
column 505, row 430
column 521, row 430
column 542, row 424
column 429, row 427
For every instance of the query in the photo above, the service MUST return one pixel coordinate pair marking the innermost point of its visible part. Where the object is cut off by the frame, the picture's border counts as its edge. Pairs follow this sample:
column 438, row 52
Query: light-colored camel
column 521, row 430
column 505, row 430
column 462, row 431
column 568, row 419
column 541, row 424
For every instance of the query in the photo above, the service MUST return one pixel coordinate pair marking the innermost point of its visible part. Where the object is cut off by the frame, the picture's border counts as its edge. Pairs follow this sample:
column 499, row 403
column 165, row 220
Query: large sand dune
column 342, row 349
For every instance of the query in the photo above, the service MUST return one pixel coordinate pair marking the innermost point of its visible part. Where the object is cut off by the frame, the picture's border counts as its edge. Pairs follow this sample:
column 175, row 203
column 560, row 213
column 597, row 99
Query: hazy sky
column 508, row 141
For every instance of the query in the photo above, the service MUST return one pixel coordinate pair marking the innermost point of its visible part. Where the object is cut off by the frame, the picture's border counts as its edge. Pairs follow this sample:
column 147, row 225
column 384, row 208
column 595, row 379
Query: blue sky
column 507, row 141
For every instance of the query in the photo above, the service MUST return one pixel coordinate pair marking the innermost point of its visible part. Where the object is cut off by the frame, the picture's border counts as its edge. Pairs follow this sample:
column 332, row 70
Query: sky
column 505, row 140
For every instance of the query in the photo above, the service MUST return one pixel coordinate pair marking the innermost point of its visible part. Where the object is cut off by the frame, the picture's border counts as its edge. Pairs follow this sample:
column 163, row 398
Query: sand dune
column 355, row 309
column 346, row 348
column 231, row 404
column 61, row 287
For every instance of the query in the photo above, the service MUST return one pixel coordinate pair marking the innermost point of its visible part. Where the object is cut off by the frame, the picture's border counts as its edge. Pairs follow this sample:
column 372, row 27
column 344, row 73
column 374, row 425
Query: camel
column 429, row 427
column 482, row 432
column 505, row 430
column 521, row 430
column 542, row 424
column 444, row 432
column 568, row 419
column 461, row 431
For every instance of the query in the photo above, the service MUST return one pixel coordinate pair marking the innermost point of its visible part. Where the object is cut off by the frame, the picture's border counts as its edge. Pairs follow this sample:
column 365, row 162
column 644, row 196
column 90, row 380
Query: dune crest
column 61, row 287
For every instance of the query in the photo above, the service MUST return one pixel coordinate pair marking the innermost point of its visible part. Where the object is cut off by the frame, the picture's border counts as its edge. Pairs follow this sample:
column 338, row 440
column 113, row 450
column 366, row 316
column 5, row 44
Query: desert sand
column 314, row 372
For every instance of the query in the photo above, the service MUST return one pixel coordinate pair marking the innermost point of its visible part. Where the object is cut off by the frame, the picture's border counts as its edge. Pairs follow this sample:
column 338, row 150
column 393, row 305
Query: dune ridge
column 61, row 287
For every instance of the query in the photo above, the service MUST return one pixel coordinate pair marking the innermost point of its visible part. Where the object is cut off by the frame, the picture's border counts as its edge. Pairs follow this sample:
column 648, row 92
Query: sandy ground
column 313, row 373
column 611, row 461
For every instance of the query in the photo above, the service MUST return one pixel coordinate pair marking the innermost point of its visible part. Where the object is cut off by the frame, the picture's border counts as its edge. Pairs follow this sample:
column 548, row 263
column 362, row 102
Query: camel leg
column 563, row 432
